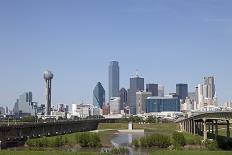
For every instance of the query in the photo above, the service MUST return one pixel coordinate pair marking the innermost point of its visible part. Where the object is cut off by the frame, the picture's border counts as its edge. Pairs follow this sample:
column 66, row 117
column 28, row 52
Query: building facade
column 113, row 79
column 160, row 91
column 161, row 104
column 98, row 95
column 24, row 105
column 115, row 105
column 182, row 90
column 136, row 84
column 141, row 98
column 123, row 98
column 153, row 88
column 206, row 95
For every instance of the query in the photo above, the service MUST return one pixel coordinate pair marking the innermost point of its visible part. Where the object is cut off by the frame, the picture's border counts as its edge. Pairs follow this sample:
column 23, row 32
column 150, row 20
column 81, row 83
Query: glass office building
column 99, row 95
column 160, row 104
column 113, row 79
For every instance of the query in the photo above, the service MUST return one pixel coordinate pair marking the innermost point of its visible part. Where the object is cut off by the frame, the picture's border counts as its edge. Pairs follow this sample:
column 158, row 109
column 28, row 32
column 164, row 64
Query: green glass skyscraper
column 98, row 95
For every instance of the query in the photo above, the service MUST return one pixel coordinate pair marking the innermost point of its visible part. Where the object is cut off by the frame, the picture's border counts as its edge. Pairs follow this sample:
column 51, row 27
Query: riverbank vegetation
column 85, row 139
column 49, row 153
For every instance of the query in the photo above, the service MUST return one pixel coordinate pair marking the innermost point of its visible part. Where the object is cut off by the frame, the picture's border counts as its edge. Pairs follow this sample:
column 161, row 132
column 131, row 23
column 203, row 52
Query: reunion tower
column 48, row 79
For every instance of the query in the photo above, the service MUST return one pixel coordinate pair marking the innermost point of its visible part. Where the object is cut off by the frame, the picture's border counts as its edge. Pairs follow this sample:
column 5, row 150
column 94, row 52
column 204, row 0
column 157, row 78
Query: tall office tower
column 113, row 79
column 160, row 91
column 153, row 88
column 141, row 98
column 209, row 83
column 196, row 103
column 48, row 76
column 182, row 90
column 136, row 84
column 24, row 104
column 206, row 93
column 98, row 95
column 123, row 98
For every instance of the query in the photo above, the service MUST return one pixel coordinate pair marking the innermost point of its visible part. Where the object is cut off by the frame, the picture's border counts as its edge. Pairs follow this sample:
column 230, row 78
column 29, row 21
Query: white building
column 58, row 114
column 81, row 110
column 188, row 105
column 160, row 91
column 115, row 105
column 141, row 101
column 206, row 94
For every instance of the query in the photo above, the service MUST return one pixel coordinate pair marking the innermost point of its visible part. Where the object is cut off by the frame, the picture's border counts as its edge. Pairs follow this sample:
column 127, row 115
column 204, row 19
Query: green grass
column 192, row 140
column 162, row 128
column 191, row 153
column 47, row 153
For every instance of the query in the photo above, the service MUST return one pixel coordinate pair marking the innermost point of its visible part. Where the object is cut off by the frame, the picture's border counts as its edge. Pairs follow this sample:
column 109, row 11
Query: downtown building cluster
column 150, row 98
column 139, row 99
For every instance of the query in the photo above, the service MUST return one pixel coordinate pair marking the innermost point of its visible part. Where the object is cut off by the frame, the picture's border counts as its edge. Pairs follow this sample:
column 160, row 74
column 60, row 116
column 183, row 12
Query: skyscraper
column 182, row 90
column 98, row 95
column 206, row 93
column 48, row 76
column 153, row 88
column 210, row 86
column 113, row 79
column 24, row 105
column 123, row 98
column 136, row 84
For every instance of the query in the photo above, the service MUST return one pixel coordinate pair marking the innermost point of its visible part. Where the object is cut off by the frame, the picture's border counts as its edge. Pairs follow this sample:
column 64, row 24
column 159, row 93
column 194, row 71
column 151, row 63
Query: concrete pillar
column 216, row 129
column 228, row 128
column 213, row 127
column 209, row 127
column 194, row 128
column 205, row 129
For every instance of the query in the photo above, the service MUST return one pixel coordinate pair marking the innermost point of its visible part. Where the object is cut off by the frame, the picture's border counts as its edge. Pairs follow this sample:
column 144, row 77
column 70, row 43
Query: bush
column 119, row 151
column 178, row 139
column 88, row 139
column 155, row 140
column 224, row 143
column 211, row 145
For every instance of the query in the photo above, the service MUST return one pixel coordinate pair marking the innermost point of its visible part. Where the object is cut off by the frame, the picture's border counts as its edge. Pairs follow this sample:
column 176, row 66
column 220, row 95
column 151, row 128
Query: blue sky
column 167, row 41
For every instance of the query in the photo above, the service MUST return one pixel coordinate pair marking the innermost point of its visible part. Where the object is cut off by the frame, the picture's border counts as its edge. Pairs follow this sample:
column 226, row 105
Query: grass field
column 191, row 153
column 164, row 128
column 47, row 153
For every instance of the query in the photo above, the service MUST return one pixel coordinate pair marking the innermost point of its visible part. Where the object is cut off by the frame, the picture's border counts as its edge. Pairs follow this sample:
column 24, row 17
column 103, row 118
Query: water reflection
column 125, row 140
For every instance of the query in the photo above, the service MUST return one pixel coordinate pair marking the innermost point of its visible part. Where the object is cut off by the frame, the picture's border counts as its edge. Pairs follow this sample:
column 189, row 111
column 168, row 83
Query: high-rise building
column 160, row 104
column 48, row 76
column 24, row 105
column 160, row 91
column 182, row 90
column 113, row 79
column 98, row 95
column 123, row 98
column 210, row 87
column 153, row 88
column 136, row 84
column 141, row 101
column 206, row 93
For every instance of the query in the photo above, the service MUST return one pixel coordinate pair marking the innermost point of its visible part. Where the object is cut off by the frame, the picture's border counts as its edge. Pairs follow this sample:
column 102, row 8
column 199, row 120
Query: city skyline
column 168, row 45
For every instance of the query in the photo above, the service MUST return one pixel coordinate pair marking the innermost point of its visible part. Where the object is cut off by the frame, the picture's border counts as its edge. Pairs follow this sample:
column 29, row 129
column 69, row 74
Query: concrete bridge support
column 228, row 128
column 205, row 129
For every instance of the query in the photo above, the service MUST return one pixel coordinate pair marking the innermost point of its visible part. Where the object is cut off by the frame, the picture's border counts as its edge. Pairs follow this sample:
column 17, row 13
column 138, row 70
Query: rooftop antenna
column 137, row 73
